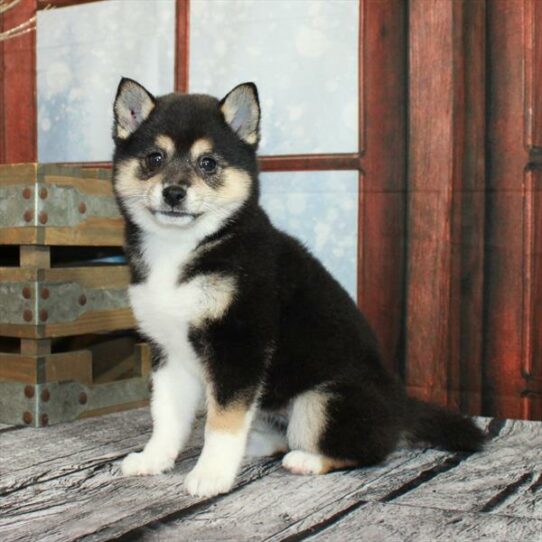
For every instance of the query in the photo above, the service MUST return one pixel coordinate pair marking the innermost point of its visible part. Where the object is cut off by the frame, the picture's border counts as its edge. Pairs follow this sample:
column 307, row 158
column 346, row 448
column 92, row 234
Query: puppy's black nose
column 173, row 195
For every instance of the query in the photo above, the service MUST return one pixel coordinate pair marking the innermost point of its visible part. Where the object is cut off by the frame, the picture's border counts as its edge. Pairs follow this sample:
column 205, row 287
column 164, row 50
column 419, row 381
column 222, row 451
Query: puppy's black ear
column 241, row 110
column 132, row 106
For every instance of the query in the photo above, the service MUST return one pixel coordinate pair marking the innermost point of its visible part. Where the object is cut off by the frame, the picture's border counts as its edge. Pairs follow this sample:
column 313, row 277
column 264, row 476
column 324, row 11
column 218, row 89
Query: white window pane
column 82, row 51
column 302, row 54
column 321, row 210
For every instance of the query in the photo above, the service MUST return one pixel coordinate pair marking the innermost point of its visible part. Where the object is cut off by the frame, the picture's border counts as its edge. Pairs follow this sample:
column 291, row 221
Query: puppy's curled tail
column 436, row 426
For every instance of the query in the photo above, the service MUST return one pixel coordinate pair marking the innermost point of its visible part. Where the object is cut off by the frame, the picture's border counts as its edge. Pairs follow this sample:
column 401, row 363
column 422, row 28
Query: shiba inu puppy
column 241, row 314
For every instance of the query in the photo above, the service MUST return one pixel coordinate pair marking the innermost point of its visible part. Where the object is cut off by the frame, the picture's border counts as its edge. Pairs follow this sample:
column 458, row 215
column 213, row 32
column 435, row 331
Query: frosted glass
column 302, row 54
column 320, row 209
column 82, row 51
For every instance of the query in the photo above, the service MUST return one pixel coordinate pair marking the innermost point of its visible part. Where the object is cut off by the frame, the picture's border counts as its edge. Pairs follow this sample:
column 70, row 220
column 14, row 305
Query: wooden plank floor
column 63, row 483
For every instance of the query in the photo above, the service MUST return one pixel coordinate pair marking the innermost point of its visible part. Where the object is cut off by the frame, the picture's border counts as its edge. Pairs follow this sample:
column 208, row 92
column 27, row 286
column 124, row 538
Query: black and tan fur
column 245, row 313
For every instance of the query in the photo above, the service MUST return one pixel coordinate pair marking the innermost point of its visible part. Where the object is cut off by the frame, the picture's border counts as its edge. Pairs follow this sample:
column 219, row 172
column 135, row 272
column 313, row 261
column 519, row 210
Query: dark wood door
column 474, row 276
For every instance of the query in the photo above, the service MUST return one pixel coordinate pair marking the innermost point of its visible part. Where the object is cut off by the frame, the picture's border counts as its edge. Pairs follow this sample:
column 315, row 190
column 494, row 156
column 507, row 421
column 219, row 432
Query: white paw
column 300, row 462
column 207, row 482
column 145, row 463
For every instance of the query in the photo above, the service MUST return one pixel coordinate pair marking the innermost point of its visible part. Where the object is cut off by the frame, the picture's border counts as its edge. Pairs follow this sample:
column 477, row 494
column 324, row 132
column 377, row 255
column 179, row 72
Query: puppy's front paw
column 145, row 463
column 207, row 482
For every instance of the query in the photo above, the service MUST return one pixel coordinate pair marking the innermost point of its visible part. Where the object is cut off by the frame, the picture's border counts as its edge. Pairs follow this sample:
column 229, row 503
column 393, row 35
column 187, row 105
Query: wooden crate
column 47, row 204
column 60, row 298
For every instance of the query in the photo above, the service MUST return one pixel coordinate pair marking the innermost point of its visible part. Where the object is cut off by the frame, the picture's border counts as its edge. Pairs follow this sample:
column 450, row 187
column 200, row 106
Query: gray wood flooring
column 63, row 483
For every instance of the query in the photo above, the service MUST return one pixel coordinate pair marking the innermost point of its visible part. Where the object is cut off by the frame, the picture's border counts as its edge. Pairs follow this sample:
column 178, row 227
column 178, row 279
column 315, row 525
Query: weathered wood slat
column 57, row 481
column 96, row 503
column 391, row 522
column 283, row 504
column 64, row 483
column 505, row 470
column 30, row 454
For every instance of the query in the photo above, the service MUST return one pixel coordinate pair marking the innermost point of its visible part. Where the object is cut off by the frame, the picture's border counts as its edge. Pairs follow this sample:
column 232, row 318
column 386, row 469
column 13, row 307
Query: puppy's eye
column 154, row 160
column 207, row 164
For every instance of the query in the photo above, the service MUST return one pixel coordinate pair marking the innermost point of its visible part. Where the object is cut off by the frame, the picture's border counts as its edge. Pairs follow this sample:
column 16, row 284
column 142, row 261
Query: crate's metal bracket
column 64, row 206
column 56, row 402
column 66, row 301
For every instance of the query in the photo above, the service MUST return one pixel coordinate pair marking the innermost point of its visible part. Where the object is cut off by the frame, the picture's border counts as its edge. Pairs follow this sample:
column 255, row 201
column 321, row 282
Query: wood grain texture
column 18, row 110
column 509, row 220
column 508, row 468
column 31, row 256
column 446, row 201
column 91, row 184
column 62, row 483
column 382, row 185
column 285, row 505
column 418, row 523
column 430, row 201
column 182, row 44
column 43, row 4
column 90, row 321
column 75, row 365
column 284, row 162
column 465, row 375
column 533, row 73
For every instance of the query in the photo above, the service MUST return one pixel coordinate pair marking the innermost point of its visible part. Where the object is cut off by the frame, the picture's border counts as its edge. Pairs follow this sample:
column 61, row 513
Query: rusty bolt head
column 28, row 215
column 29, row 391
column 27, row 417
column 43, row 193
column 45, row 293
column 82, row 208
column 27, row 193
column 82, row 299
column 27, row 292
column 45, row 395
column 27, row 315
column 44, row 419
column 44, row 315
column 43, row 217
column 83, row 398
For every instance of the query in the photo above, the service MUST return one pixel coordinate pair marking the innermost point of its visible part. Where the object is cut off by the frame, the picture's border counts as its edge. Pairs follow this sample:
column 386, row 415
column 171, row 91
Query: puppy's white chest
column 165, row 308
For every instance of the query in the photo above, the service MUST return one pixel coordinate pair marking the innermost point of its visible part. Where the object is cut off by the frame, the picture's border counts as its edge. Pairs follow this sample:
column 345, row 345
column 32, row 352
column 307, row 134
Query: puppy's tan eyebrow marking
column 165, row 143
column 199, row 147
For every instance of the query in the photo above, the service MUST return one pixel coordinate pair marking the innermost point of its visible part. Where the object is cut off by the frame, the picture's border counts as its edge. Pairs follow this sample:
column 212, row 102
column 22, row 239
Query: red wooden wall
column 449, row 162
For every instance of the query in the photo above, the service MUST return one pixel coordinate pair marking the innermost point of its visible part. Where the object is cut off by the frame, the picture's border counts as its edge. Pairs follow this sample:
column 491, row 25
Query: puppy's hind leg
column 340, row 427
column 266, row 438
column 308, row 422
column 175, row 397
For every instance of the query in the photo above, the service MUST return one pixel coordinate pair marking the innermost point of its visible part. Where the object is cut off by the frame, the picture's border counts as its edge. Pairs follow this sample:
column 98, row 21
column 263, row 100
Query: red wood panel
column 465, row 384
column 430, row 201
column 304, row 162
column 286, row 162
column 383, row 182
column 446, row 201
column 182, row 45
column 46, row 4
column 18, row 139
column 533, row 72
column 512, row 211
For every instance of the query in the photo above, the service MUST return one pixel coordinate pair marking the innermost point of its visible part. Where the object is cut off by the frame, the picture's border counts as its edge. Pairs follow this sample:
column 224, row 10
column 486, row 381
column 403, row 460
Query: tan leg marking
column 329, row 464
column 302, row 462
column 229, row 419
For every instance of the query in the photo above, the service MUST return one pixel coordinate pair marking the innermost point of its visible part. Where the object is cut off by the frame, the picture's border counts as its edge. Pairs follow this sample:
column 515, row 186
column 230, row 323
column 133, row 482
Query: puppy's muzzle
column 174, row 195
